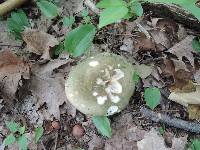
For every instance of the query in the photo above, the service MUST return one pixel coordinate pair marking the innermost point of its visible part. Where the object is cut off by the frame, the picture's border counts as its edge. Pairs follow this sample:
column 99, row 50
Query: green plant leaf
column 12, row 126
column 137, row 9
column 102, row 124
column 136, row 77
column 49, row 9
column 22, row 130
column 22, row 142
column 196, row 44
column 111, row 15
column 68, row 21
column 195, row 145
column 152, row 97
column 79, row 39
column 38, row 133
column 58, row 49
column 111, row 3
column 161, row 130
column 10, row 139
column 17, row 23
column 84, row 13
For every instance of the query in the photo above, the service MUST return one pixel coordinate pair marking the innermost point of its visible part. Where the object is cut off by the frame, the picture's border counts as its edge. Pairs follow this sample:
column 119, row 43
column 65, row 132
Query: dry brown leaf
column 50, row 89
column 153, row 141
column 186, row 98
column 161, row 39
column 39, row 42
column 184, row 49
column 194, row 111
column 154, row 79
column 197, row 76
column 142, row 43
column 96, row 143
column 125, row 134
column 173, row 70
column 12, row 70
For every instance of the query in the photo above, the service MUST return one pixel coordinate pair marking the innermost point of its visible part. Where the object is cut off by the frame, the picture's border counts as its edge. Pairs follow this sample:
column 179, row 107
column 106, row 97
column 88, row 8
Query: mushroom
column 101, row 85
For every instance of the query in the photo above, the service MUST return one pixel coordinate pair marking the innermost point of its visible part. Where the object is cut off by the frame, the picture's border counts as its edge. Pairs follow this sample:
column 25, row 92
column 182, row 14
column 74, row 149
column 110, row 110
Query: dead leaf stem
column 171, row 121
column 9, row 5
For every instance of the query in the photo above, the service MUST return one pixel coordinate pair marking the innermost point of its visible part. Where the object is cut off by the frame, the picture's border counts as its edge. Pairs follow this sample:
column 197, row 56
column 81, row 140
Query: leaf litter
column 168, row 59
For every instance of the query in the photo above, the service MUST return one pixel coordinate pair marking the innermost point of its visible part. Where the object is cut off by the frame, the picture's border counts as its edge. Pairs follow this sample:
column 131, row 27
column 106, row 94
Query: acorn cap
column 101, row 85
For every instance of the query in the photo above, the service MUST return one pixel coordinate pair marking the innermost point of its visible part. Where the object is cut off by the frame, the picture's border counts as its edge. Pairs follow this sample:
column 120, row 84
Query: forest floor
column 32, row 84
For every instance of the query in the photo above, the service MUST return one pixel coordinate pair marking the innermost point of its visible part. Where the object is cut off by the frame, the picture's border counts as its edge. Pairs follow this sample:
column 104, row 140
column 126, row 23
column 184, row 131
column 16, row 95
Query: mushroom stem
column 8, row 5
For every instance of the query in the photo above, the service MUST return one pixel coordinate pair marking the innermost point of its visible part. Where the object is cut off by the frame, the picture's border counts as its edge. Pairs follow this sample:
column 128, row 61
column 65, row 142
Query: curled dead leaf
column 49, row 88
column 189, row 99
column 39, row 42
column 186, row 98
column 184, row 49
column 176, row 76
column 12, row 70
column 143, row 44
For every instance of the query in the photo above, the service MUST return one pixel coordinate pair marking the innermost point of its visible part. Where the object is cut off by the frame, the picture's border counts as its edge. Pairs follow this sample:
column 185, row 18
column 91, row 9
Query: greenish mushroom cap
column 101, row 85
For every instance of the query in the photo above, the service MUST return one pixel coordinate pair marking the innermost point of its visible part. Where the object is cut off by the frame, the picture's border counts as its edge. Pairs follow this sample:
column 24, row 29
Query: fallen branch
column 9, row 5
column 171, row 121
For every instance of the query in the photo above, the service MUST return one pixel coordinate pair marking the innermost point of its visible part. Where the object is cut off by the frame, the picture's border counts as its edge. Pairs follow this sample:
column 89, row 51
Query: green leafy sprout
column 194, row 144
column 17, row 134
column 196, row 44
column 48, row 9
column 17, row 22
column 152, row 97
column 102, row 124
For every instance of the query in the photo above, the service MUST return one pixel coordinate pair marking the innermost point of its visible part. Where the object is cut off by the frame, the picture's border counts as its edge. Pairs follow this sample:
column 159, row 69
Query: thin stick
column 171, row 121
column 56, row 141
column 9, row 5
column 142, row 29
column 92, row 6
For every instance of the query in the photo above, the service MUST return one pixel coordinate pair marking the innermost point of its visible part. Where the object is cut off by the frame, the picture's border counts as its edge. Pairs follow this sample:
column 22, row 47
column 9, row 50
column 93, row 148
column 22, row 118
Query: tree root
column 9, row 5
column 171, row 121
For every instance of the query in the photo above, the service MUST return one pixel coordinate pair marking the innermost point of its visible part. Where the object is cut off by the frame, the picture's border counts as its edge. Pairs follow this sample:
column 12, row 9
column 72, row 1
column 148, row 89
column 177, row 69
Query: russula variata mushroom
column 8, row 5
column 100, row 85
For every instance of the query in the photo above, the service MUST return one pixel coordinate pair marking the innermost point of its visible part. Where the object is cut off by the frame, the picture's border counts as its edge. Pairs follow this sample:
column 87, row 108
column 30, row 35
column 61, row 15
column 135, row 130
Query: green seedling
column 17, row 134
column 152, row 97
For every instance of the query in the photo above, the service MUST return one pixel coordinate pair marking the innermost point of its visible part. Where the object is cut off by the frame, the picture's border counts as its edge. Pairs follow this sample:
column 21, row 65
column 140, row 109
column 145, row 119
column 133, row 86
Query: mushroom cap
column 101, row 85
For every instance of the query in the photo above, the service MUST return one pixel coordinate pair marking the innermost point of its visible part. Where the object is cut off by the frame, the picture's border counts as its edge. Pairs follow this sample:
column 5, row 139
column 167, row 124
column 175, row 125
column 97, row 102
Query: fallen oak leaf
column 50, row 89
column 39, row 42
column 184, row 49
column 12, row 70
column 153, row 141
column 176, row 73
column 125, row 134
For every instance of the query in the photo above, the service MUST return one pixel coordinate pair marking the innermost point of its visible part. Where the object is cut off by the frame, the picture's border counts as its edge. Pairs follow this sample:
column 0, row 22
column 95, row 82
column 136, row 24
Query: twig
column 56, row 141
column 142, row 29
column 8, row 5
column 42, row 144
column 171, row 121
column 92, row 6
